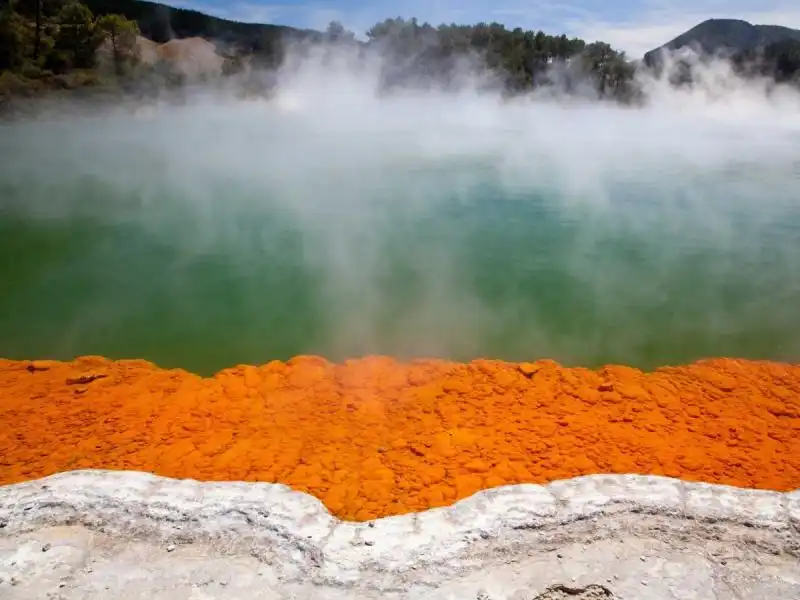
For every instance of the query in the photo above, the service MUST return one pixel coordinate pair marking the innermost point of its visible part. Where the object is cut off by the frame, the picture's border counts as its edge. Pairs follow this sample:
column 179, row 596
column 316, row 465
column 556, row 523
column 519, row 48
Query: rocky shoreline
column 622, row 536
column 376, row 437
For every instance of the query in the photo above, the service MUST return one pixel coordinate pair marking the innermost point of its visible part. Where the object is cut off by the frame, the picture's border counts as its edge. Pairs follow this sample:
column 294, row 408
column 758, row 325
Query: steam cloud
column 333, row 219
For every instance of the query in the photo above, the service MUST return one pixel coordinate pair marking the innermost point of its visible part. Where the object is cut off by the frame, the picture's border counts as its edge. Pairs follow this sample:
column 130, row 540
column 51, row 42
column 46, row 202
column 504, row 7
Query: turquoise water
column 203, row 239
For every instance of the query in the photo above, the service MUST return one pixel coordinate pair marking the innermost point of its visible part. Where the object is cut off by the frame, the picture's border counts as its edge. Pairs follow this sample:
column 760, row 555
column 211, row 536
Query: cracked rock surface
column 101, row 534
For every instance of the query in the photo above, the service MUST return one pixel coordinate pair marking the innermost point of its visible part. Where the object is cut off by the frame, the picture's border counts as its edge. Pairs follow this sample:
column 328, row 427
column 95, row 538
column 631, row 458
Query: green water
column 219, row 249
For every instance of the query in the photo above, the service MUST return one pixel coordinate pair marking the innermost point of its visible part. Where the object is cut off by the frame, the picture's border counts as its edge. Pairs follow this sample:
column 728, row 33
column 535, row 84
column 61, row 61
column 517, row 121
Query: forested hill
column 731, row 35
column 50, row 41
column 162, row 23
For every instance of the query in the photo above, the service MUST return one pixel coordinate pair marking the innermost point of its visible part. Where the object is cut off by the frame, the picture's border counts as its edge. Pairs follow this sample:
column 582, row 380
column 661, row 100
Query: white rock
column 282, row 544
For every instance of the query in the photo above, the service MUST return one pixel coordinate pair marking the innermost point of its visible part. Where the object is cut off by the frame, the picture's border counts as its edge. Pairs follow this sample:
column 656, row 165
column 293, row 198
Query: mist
column 339, row 220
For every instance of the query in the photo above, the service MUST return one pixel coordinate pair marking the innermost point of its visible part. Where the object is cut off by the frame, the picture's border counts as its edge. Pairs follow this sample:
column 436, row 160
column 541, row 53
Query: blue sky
column 631, row 25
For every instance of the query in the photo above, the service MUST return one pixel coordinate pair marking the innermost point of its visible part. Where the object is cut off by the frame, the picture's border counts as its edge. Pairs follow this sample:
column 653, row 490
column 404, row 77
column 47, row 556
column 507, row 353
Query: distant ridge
column 720, row 35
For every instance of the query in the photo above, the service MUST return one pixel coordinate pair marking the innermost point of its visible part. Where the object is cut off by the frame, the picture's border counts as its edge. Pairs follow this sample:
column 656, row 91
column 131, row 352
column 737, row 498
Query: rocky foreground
column 376, row 437
column 98, row 535
column 372, row 438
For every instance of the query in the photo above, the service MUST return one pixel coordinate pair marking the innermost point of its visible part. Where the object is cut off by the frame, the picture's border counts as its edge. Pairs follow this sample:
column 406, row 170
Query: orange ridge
column 374, row 437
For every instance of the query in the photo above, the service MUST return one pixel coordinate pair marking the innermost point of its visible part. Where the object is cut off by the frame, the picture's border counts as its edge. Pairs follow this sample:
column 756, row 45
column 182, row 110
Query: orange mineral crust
column 376, row 437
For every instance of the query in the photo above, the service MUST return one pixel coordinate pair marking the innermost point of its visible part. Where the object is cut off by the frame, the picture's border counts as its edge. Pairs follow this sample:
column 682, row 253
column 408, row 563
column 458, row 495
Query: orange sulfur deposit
column 375, row 437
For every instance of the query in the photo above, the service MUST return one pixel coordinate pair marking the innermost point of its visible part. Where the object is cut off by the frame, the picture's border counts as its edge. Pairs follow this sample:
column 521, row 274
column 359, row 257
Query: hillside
column 161, row 23
column 192, row 57
column 717, row 35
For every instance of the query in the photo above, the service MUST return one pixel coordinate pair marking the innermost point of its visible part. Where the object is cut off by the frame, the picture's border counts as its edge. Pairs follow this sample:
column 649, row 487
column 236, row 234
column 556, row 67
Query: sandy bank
column 374, row 437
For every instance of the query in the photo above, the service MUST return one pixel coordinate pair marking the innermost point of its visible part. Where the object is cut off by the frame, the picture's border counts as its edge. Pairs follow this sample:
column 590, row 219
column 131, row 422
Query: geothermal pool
column 221, row 233
column 425, row 228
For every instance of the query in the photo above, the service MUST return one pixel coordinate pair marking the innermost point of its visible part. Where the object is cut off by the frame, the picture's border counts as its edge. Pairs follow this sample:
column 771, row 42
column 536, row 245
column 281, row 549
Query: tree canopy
column 60, row 35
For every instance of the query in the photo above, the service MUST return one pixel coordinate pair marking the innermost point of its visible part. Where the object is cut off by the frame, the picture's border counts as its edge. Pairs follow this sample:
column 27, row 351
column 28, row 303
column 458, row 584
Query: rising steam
column 336, row 219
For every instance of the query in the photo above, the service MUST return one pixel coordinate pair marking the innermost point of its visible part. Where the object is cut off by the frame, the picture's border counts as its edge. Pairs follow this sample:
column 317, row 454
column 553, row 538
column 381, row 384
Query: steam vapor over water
column 337, row 221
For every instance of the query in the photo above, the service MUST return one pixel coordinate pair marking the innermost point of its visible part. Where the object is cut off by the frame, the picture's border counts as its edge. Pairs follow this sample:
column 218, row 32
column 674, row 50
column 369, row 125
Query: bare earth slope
column 96, row 534
column 193, row 57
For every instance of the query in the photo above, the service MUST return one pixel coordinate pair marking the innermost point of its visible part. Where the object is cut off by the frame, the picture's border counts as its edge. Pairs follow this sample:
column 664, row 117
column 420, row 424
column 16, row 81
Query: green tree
column 41, row 12
column 122, row 35
column 14, row 38
column 76, row 39
column 337, row 33
column 612, row 71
